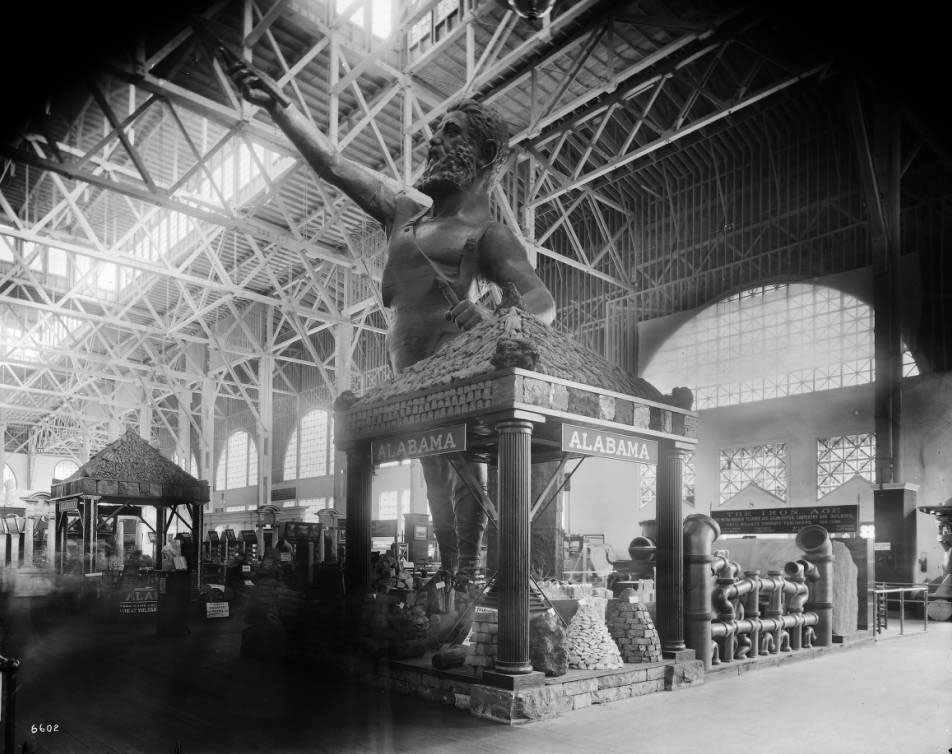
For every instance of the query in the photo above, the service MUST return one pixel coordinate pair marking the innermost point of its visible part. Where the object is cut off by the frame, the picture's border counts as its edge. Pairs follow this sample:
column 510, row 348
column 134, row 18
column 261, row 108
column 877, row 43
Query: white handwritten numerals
column 44, row 728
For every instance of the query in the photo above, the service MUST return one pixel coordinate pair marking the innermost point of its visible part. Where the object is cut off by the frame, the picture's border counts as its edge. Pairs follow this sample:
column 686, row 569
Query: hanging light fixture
column 530, row 9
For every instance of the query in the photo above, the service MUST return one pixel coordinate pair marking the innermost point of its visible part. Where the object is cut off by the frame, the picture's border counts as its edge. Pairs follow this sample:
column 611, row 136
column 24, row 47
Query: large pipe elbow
column 817, row 547
column 699, row 534
column 814, row 541
column 700, row 531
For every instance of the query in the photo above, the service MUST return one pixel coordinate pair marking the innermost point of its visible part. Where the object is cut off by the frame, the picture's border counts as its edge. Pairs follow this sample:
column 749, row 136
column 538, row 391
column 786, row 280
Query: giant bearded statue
column 431, row 249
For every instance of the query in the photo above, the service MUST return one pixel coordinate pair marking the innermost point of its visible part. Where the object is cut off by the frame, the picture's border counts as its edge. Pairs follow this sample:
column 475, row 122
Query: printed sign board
column 140, row 600
column 600, row 442
column 419, row 444
column 836, row 519
column 216, row 610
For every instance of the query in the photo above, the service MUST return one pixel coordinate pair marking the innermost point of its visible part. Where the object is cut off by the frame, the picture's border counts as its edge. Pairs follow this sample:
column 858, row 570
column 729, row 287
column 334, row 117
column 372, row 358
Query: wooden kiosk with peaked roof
column 520, row 392
column 119, row 480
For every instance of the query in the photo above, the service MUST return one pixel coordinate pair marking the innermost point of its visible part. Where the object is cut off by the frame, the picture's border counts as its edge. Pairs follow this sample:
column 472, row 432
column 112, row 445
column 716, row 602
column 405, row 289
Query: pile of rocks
column 590, row 646
column 483, row 640
column 391, row 573
column 631, row 627
column 395, row 623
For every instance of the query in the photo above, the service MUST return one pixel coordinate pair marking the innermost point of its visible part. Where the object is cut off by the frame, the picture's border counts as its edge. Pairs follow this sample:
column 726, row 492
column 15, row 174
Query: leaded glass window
column 841, row 458
column 762, row 465
column 387, row 508
column 769, row 342
column 65, row 469
column 310, row 451
column 648, row 481
column 238, row 463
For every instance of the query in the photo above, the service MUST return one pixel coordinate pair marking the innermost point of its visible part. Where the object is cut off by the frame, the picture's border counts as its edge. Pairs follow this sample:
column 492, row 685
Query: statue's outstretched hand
column 254, row 87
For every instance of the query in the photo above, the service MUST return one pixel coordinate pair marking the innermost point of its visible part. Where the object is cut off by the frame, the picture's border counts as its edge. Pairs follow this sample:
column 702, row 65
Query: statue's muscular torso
column 410, row 287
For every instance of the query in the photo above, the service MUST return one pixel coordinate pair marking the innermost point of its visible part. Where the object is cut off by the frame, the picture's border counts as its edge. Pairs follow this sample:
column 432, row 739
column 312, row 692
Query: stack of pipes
column 737, row 627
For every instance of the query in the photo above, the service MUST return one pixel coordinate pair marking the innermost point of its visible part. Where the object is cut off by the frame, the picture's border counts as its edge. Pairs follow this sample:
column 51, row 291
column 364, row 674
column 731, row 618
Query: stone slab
column 513, row 681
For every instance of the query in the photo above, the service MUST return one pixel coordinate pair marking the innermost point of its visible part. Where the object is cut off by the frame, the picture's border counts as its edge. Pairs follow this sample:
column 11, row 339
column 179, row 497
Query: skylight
column 380, row 15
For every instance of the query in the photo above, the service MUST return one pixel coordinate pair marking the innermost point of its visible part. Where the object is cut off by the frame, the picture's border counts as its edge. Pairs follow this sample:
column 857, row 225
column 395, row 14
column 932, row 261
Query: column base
column 678, row 655
column 513, row 681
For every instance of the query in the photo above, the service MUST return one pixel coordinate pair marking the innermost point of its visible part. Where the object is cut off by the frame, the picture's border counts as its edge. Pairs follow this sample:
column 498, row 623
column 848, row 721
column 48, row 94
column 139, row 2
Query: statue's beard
column 454, row 170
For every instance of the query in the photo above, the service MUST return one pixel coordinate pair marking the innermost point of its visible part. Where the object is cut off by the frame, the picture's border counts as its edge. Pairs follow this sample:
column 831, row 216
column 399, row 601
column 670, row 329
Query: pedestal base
column 512, row 682
column 678, row 655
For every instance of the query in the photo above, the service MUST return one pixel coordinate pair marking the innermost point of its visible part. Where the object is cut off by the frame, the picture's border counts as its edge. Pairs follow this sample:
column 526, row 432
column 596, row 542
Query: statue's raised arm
column 366, row 187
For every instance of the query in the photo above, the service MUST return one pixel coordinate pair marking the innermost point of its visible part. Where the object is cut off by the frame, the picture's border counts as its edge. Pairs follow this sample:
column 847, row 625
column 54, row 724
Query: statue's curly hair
column 486, row 124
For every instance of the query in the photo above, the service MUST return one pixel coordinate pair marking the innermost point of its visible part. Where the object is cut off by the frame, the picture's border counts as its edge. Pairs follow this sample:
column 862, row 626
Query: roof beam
column 675, row 134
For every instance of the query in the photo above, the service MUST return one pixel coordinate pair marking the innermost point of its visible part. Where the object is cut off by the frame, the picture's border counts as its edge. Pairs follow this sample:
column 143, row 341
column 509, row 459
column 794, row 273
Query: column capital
column 513, row 424
column 674, row 448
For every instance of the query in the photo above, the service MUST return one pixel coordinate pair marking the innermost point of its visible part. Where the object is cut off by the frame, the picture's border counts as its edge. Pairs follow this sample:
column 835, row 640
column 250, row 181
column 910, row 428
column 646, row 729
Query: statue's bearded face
column 452, row 161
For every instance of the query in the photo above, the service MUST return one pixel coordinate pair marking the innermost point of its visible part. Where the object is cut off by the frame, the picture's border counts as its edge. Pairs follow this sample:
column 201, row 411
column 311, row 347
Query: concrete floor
column 119, row 688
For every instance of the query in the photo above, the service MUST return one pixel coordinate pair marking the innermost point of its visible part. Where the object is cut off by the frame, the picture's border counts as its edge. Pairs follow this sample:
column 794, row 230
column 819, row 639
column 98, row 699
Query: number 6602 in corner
column 44, row 728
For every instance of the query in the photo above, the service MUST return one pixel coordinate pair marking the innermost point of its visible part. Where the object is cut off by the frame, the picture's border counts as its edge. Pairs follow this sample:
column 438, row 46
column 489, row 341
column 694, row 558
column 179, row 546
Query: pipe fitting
column 699, row 534
column 817, row 549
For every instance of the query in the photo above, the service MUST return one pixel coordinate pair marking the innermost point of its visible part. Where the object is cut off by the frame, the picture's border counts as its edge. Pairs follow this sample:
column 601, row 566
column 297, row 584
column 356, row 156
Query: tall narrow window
column 238, row 463
column 310, row 451
column 9, row 479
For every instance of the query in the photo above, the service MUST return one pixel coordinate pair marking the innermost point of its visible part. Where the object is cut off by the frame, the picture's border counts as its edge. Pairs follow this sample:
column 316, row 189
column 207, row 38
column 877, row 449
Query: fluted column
column 358, row 513
column 670, row 553
column 515, row 448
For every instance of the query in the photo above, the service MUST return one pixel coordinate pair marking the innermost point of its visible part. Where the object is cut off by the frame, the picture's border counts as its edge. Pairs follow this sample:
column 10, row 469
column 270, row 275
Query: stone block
column 559, row 397
column 648, row 687
column 579, row 701
column 656, row 673
column 641, row 417
column 606, row 407
column 580, row 686
column 622, row 679
column 491, row 703
column 547, row 645
column 612, row 694
column 107, row 487
column 128, row 489
column 583, row 402
column 624, row 411
column 535, row 392
column 683, row 674
column 539, row 703
column 461, row 701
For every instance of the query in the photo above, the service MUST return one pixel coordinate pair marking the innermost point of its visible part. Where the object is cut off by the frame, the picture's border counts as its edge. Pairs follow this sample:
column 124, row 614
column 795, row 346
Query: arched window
column 310, row 450
column 64, row 469
column 238, row 463
column 9, row 478
column 768, row 342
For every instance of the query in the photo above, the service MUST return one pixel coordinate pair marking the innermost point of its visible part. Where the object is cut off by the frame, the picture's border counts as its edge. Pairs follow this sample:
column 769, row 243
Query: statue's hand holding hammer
column 467, row 315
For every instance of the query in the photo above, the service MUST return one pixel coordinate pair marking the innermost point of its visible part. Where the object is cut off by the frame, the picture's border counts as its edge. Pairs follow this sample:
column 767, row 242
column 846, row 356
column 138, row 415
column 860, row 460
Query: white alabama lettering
column 608, row 445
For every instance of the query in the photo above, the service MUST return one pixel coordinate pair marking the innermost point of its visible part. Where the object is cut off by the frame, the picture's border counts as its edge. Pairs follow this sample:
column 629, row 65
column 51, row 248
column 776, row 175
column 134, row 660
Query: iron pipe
column 720, row 629
column 699, row 533
column 752, row 608
column 814, row 541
